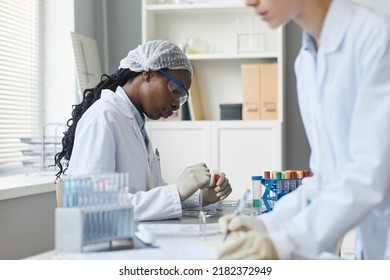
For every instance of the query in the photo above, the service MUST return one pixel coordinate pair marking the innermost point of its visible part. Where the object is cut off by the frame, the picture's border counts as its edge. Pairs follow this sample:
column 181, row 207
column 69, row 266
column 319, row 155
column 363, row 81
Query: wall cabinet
column 219, row 36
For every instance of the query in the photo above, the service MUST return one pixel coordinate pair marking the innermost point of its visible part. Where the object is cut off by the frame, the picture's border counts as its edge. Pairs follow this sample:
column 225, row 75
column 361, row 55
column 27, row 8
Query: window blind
column 19, row 83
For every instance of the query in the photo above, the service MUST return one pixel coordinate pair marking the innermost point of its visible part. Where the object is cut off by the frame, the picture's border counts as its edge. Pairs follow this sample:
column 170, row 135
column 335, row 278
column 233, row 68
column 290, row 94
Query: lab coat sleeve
column 192, row 201
column 156, row 204
column 162, row 203
column 364, row 182
column 159, row 203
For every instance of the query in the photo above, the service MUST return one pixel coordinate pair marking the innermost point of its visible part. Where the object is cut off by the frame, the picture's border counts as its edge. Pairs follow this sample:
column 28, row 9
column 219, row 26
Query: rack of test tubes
column 279, row 183
column 93, row 212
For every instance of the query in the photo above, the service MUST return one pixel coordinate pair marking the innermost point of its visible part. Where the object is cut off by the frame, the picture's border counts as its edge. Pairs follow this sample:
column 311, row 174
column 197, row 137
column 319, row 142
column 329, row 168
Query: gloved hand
column 193, row 178
column 253, row 246
column 234, row 223
column 217, row 190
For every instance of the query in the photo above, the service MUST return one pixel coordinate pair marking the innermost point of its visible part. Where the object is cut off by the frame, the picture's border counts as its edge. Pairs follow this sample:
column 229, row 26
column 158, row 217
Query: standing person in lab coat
column 106, row 132
column 343, row 82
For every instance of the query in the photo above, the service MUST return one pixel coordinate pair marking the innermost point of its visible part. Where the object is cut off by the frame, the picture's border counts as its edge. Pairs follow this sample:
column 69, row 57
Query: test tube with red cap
column 293, row 180
column 216, row 176
column 266, row 181
column 266, row 177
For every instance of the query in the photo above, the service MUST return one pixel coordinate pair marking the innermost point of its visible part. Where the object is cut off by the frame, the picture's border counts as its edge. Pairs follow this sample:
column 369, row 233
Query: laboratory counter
column 183, row 238
column 177, row 239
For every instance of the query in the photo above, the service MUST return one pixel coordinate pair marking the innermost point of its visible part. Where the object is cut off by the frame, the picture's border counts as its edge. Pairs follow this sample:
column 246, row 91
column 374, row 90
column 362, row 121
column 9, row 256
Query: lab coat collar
column 124, row 107
column 139, row 118
column 335, row 25
column 127, row 104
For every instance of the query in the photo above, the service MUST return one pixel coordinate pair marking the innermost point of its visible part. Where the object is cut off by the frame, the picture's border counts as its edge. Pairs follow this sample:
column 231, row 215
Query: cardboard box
column 195, row 101
column 259, row 91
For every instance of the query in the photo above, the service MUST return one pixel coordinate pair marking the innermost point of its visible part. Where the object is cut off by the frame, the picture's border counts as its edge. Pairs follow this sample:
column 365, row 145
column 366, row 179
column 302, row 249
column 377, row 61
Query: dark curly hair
column 111, row 82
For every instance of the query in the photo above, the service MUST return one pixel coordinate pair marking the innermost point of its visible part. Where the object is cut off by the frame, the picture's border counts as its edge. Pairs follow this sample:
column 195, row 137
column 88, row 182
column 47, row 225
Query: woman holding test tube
column 106, row 132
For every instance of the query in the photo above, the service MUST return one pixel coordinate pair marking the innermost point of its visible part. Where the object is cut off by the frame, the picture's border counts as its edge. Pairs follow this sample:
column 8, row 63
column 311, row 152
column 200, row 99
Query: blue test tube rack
column 274, row 189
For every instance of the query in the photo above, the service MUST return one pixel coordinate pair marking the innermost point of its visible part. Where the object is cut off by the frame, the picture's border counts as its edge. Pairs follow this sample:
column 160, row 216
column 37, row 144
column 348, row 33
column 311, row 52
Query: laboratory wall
column 59, row 85
column 86, row 15
column 123, row 29
column 26, row 226
column 296, row 146
column 115, row 24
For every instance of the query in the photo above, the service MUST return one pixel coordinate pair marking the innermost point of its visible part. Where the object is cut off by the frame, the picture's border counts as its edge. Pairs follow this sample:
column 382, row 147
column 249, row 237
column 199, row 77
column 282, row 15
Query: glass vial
column 256, row 192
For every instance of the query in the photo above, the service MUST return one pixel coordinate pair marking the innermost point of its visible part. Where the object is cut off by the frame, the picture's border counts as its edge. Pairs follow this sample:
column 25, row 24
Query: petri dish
column 195, row 212
column 230, row 203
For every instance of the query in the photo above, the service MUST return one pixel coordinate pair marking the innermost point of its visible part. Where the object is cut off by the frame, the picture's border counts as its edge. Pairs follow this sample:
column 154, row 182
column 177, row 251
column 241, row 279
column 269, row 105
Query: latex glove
column 193, row 178
column 217, row 190
column 252, row 246
column 235, row 223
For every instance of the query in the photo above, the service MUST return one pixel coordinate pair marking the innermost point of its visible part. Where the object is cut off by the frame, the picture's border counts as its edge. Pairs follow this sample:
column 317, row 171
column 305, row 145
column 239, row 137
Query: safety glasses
column 178, row 92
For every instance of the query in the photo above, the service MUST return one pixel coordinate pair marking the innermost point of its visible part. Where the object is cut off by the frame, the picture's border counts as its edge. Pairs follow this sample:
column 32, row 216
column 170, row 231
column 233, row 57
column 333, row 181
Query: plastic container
column 231, row 111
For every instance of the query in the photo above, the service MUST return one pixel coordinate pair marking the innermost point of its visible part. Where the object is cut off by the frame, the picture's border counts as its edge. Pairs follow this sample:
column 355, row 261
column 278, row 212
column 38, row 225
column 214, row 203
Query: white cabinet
column 218, row 36
column 240, row 149
column 180, row 144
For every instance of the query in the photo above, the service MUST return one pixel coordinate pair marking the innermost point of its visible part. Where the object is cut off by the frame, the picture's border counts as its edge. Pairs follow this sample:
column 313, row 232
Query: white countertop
column 25, row 185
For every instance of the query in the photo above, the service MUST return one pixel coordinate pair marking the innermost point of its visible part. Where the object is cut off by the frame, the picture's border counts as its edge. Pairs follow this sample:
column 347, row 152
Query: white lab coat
column 344, row 98
column 108, row 139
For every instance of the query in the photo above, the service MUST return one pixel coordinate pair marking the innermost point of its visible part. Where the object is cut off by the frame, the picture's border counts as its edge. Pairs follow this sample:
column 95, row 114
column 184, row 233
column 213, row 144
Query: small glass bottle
column 257, row 192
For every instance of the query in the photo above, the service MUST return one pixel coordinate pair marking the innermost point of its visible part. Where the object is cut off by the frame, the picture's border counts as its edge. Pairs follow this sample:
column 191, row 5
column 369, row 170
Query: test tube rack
column 93, row 210
column 92, row 228
column 274, row 189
